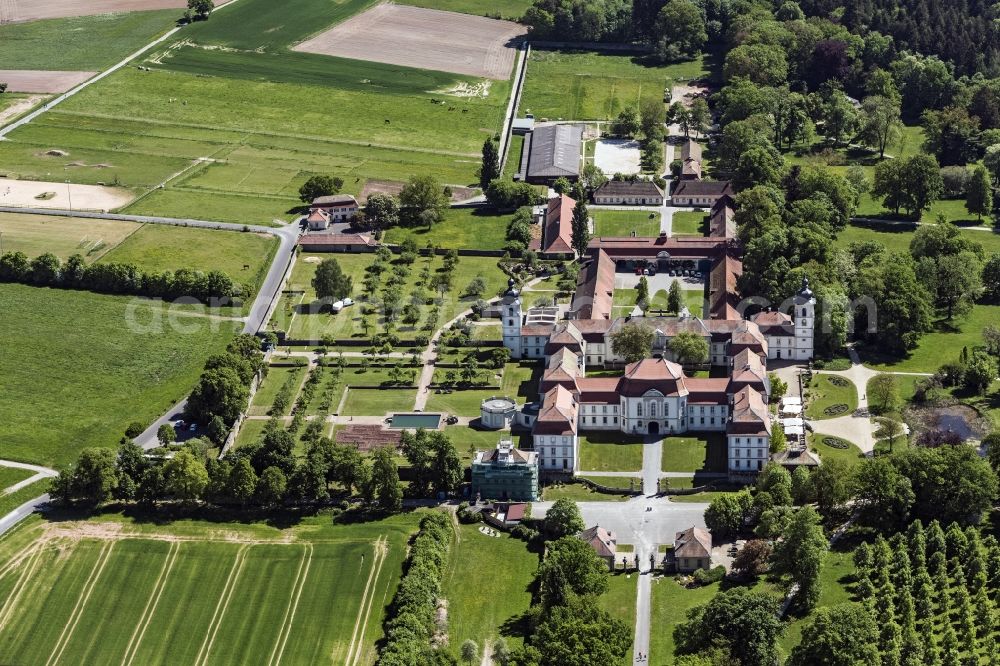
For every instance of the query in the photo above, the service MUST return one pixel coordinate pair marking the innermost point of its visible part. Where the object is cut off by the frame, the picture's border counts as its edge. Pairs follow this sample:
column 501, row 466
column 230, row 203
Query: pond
column 428, row 421
column 960, row 420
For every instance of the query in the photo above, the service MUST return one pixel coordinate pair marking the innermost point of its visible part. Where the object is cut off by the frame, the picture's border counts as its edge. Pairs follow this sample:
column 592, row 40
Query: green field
column 825, row 392
column 244, row 257
column 220, row 117
column 610, row 452
column 478, row 604
column 619, row 601
column 511, row 10
column 189, row 592
column 899, row 241
column 77, row 368
column 276, row 378
column 624, row 222
column 579, row 492
column 11, row 475
column 689, row 223
column 83, row 42
column 851, row 455
column 376, row 402
column 695, row 453
column 461, row 228
column 62, row 236
column 588, row 85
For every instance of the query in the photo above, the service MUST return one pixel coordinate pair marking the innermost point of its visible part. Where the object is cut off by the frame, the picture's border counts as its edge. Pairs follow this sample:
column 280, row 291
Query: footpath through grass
column 189, row 590
column 78, row 367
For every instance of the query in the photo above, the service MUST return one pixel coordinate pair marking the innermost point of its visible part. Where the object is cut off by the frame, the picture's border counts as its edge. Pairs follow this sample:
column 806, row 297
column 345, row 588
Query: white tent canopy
column 792, row 423
column 793, row 430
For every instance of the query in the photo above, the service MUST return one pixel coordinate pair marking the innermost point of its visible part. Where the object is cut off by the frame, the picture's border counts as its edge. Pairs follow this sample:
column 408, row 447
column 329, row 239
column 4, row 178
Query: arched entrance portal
column 654, row 428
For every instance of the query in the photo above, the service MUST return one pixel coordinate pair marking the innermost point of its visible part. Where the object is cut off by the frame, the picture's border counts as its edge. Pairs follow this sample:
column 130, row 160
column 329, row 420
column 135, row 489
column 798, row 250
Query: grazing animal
column 387, row 121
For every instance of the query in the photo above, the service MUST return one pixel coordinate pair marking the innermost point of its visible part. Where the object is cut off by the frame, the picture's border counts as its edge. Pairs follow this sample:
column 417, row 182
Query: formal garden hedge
column 411, row 626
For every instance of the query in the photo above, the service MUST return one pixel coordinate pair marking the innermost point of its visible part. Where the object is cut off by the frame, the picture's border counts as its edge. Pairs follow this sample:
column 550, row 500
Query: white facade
column 748, row 453
column 510, row 322
column 556, row 453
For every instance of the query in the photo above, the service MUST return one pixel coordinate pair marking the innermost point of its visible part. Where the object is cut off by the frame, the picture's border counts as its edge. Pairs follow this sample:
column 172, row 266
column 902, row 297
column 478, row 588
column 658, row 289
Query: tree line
column 48, row 270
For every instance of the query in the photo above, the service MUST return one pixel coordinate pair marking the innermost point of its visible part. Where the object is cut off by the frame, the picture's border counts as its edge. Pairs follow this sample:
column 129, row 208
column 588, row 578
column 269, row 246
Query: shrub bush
column 709, row 576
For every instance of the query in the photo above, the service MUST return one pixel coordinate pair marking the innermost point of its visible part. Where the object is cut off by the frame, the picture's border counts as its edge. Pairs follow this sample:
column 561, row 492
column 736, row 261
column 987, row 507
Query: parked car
column 338, row 306
column 193, row 427
column 348, row 301
column 652, row 270
column 638, row 270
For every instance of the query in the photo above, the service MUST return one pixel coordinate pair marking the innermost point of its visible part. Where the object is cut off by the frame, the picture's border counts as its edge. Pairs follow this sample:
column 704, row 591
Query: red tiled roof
column 774, row 323
column 558, row 413
column 595, row 288
column 722, row 296
column 703, row 188
column 557, row 234
column 603, row 542
column 598, row 389
column 707, row 390
column 537, row 329
column 684, row 247
column 749, row 416
column 653, row 374
column 335, row 240
column 693, row 543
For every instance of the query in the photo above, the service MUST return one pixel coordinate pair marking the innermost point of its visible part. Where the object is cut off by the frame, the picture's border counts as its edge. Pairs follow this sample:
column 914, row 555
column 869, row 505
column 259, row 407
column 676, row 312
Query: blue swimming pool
column 429, row 421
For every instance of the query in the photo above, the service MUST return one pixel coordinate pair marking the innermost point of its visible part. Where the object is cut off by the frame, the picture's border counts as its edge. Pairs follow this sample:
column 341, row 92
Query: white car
column 338, row 306
column 347, row 301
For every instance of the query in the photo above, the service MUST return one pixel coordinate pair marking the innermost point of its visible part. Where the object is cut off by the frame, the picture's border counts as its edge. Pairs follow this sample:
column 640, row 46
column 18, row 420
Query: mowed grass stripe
column 105, row 625
column 222, row 605
column 265, row 585
column 334, row 591
column 354, row 651
column 58, row 580
column 81, row 603
column 189, row 599
column 17, row 589
column 150, row 609
column 286, row 626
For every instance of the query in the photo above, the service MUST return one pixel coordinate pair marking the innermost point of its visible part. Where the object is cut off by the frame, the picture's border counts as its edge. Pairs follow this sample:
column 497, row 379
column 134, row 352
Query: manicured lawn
column 377, row 402
column 81, row 43
column 250, row 432
column 11, row 475
column 851, row 455
column 277, row 377
column 669, row 607
column 578, row 492
column 77, row 368
column 62, row 236
column 698, row 498
column 688, row 223
column 466, row 228
column 623, row 482
column 619, row 601
column 830, row 396
column 244, row 257
column 624, row 222
column 313, row 592
column 513, row 162
column 940, row 346
column 697, row 453
column 835, row 575
column 478, row 611
column 589, row 85
column 610, row 452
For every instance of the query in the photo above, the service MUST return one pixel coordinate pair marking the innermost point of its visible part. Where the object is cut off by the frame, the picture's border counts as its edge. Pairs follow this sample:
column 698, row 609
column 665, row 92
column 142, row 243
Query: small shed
column 693, row 549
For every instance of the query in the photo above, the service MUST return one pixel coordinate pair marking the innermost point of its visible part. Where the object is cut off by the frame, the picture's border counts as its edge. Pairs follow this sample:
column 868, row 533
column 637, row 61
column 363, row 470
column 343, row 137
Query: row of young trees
column 48, row 270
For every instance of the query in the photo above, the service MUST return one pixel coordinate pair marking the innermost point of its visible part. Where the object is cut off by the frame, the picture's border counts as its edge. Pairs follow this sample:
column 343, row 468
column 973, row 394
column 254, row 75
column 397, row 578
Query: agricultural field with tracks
column 115, row 591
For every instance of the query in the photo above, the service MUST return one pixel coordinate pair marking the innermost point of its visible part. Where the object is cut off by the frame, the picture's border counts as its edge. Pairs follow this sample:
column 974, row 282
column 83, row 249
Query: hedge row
column 47, row 270
column 411, row 627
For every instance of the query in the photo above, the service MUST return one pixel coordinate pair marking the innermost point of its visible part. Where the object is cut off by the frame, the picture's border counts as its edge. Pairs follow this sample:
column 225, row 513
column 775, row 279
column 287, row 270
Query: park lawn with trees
column 610, row 452
column 480, row 599
column 349, row 323
column 64, row 388
column 962, row 331
column 669, row 606
column 243, row 256
column 619, row 601
column 897, row 239
column 62, row 236
column 461, row 228
column 830, row 396
column 694, row 453
column 593, row 85
column 250, row 432
column 689, row 223
column 81, row 43
column 265, row 574
column 622, row 223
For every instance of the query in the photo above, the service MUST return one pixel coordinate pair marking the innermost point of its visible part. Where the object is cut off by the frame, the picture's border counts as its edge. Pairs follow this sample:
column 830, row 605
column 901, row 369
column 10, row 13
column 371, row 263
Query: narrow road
column 29, row 507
